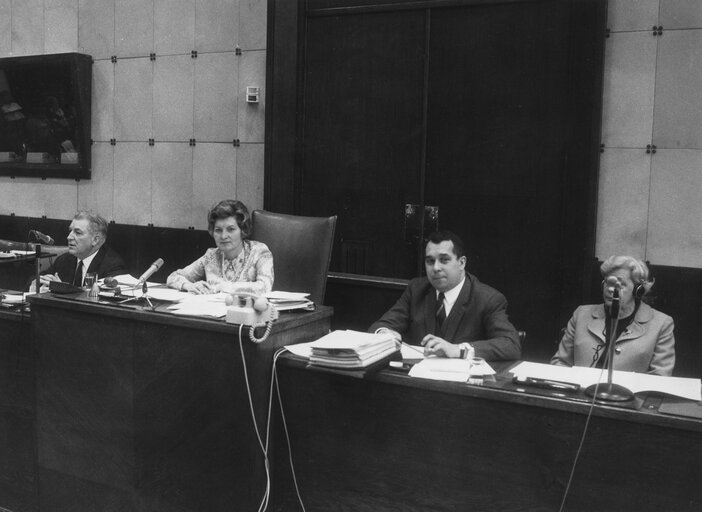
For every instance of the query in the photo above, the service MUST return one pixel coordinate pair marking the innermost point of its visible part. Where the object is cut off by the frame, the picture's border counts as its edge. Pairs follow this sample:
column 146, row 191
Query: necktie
column 440, row 312
column 78, row 276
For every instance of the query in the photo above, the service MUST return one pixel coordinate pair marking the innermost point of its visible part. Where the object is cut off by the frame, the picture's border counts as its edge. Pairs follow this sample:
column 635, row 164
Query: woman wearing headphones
column 644, row 337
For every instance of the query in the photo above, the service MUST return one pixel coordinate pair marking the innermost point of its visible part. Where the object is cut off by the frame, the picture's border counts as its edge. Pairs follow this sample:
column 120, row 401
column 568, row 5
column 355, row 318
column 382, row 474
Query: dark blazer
column 106, row 263
column 478, row 317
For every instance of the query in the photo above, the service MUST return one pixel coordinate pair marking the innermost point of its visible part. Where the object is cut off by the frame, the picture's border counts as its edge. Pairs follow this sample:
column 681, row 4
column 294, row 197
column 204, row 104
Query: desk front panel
column 139, row 411
column 17, row 447
column 387, row 443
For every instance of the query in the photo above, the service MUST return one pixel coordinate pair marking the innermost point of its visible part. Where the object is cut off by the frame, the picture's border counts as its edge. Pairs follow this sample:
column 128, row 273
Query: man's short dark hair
column 448, row 236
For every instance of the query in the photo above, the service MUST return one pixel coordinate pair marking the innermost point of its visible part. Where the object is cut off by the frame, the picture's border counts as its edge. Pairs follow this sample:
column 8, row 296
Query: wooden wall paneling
column 134, row 24
column 678, row 90
column 214, row 178
column 629, row 85
column 623, row 204
column 216, row 25
column 98, row 193
column 28, row 27
column 96, row 28
column 174, row 27
column 251, row 118
column 5, row 27
column 363, row 118
column 674, row 230
column 133, row 183
column 173, row 105
column 216, row 93
column 103, row 97
column 60, row 26
column 133, row 100
column 172, row 192
column 249, row 159
column 496, row 151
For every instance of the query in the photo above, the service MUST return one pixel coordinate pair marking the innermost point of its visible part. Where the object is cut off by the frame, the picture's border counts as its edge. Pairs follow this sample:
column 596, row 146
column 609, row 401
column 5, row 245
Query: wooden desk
column 145, row 411
column 17, row 270
column 17, row 475
column 389, row 442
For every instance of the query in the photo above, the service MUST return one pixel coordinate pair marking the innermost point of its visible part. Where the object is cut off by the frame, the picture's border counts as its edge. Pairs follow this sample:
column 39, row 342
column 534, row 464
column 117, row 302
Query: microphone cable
column 264, row 446
column 582, row 441
column 285, row 427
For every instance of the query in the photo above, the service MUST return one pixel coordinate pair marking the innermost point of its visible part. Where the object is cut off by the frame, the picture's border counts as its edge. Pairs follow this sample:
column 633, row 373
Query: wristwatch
column 466, row 350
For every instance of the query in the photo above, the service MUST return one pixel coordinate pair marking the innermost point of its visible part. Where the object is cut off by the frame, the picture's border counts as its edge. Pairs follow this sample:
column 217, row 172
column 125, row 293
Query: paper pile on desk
column 288, row 301
column 453, row 370
column 635, row 382
column 212, row 305
column 351, row 349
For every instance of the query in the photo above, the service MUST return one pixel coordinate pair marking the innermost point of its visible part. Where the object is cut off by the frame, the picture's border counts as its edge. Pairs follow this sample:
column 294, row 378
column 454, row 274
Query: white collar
column 451, row 296
column 87, row 261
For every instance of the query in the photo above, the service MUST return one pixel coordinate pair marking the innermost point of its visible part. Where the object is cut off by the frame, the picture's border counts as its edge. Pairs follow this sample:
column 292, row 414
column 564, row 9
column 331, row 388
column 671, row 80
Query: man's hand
column 44, row 281
column 435, row 346
column 47, row 278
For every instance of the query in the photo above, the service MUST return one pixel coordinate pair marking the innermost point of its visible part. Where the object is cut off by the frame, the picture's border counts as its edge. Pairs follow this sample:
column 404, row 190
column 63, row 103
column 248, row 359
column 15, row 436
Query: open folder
column 636, row 382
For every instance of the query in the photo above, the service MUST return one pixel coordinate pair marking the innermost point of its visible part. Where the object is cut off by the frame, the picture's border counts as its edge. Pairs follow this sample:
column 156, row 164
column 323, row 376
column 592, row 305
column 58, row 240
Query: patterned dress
column 251, row 271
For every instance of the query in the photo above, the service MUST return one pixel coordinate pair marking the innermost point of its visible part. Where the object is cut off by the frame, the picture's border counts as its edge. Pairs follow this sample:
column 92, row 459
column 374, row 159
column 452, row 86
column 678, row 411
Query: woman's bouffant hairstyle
column 638, row 269
column 230, row 208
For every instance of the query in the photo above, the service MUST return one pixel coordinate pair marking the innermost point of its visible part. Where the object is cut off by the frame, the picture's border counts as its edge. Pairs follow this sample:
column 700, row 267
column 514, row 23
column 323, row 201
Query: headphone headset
column 639, row 289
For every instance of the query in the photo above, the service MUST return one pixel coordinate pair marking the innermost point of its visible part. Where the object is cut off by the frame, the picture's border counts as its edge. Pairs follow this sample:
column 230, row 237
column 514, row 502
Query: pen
column 413, row 348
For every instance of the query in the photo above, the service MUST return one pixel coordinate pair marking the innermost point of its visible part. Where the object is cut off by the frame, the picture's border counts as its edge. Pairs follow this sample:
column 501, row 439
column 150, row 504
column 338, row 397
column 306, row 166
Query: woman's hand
column 435, row 346
column 199, row 288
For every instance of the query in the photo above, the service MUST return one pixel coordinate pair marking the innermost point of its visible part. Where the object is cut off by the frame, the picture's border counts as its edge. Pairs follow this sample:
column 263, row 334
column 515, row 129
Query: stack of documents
column 453, row 370
column 288, row 301
column 351, row 349
column 635, row 382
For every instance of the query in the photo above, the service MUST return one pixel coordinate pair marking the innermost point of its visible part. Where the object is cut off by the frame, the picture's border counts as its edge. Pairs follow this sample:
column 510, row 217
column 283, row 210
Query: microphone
column 42, row 237
column 612, row 282
column 150, row 271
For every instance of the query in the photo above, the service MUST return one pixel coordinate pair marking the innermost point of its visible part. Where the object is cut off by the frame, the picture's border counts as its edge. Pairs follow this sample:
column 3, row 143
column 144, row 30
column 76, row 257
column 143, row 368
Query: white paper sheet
column 447, row 369
column 635, row 382
column 412, row 351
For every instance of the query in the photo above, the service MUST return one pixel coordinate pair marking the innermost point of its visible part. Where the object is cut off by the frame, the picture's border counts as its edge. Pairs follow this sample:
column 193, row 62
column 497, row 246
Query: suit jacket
column 106, row 263
column 647, row 345
column 478, row 317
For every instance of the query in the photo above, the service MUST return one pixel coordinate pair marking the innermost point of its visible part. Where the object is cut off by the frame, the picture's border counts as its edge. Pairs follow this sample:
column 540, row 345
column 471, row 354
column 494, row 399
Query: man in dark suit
column 450, row 311
column 87, row 252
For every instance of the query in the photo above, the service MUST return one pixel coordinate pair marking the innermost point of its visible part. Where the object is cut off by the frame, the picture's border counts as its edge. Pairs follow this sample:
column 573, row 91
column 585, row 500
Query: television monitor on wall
column 45, row 115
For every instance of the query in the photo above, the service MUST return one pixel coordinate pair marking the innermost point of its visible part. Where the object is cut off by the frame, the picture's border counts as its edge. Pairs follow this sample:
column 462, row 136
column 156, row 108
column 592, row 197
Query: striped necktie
column 440, row 312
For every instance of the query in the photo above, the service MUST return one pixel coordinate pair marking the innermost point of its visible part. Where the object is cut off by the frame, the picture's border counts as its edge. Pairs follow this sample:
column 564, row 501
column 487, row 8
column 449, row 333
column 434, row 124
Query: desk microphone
column 150, row 271
column 42, row 237
column 612, row 282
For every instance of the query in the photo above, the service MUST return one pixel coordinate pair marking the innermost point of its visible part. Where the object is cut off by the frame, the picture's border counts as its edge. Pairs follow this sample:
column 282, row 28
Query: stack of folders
column 351, row 350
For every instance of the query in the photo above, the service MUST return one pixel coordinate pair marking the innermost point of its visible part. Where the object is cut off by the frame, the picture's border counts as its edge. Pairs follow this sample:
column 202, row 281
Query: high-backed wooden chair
column 301, row 248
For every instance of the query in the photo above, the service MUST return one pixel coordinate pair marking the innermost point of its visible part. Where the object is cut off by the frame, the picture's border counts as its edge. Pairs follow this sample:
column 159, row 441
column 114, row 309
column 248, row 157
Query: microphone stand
column 144, row 295
column 37, row 256
column 611, row 392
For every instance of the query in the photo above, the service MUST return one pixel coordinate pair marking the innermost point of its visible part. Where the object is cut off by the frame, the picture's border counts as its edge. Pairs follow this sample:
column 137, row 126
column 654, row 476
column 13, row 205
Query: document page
column 636, row 382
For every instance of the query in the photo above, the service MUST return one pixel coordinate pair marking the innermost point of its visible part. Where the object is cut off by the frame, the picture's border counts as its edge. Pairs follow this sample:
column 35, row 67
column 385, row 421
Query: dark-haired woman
column 236, row 265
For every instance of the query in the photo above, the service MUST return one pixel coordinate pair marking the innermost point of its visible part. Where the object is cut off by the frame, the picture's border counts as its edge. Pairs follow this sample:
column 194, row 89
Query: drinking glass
column 90, row 280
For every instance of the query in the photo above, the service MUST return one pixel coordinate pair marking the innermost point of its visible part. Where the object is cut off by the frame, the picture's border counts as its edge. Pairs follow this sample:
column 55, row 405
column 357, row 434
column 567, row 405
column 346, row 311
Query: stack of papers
column 351, row 349
column 453, row 370
column 212, row 305
column 288, row 301
column 635, row 382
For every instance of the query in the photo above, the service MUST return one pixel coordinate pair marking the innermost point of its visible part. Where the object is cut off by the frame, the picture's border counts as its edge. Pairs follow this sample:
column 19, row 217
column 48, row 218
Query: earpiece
column 639, row 291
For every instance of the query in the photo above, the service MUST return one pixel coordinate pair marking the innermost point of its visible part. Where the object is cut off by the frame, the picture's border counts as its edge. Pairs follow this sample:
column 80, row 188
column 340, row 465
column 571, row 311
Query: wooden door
column 483, row 114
